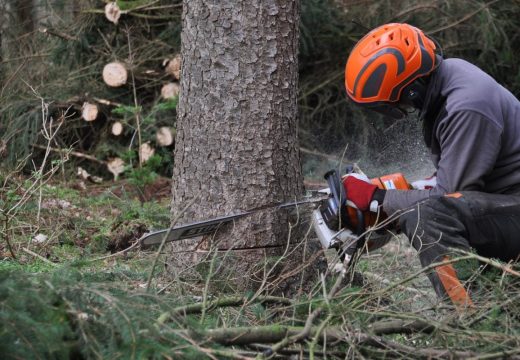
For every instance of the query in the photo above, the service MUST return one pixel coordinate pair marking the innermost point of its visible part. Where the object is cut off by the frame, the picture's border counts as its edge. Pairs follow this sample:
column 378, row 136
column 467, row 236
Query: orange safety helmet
column 384, row 62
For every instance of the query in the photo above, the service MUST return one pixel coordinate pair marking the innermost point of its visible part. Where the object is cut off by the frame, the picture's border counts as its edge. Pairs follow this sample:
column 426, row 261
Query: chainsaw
column 340, row 225
column 337, row 222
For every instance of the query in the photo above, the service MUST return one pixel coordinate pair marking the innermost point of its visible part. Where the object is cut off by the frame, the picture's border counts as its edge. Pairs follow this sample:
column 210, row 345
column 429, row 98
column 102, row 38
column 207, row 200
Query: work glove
column 362, row 193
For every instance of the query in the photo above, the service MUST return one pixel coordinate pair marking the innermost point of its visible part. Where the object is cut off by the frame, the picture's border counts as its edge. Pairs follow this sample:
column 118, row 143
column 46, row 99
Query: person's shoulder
column 468, row 88
column 466, row 73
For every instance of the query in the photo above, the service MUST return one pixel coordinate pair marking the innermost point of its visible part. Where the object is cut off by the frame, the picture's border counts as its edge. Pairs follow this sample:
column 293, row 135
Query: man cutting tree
column 472, row 128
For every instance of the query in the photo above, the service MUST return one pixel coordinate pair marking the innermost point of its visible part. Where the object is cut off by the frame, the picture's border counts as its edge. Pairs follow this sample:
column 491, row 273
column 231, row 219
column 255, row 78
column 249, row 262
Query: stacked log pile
column 114, row 81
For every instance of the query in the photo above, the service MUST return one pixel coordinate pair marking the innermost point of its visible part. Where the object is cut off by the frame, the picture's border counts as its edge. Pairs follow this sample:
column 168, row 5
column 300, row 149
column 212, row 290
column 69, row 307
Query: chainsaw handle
column 336, row 188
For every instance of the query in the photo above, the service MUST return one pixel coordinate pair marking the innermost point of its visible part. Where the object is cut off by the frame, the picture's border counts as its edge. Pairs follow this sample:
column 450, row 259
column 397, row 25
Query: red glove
column 360, row 192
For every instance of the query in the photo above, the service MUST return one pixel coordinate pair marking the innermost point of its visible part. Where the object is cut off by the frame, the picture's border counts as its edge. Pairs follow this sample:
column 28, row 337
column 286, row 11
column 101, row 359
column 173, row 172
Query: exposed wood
column 72, row 153
column 173, row 66
column 117, row 128
column 170, row 90
column 146, row 151
column 115, row 74
column 112, row 12
column 116, row 166
column 89, row 111
column 165, row 136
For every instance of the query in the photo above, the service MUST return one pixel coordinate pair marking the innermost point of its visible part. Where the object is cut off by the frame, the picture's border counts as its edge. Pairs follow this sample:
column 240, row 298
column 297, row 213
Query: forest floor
column 55, row 260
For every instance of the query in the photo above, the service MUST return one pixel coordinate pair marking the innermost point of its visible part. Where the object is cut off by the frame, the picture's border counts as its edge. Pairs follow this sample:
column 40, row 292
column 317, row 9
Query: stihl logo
column 199, row 231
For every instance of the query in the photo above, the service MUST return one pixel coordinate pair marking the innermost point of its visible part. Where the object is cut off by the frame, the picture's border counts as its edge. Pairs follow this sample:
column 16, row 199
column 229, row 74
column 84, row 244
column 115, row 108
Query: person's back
column 468, row 89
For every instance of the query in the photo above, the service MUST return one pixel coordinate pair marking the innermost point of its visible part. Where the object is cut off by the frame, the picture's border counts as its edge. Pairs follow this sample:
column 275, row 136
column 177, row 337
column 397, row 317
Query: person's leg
column 489, row 223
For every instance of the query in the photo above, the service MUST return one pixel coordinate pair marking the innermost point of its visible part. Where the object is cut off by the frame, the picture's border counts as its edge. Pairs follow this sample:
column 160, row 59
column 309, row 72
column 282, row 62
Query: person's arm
column 470, row 144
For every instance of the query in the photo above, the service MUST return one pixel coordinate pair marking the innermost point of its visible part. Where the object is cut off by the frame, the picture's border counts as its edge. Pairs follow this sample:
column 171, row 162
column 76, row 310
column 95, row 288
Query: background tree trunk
column 236, row 144
column 25, row 16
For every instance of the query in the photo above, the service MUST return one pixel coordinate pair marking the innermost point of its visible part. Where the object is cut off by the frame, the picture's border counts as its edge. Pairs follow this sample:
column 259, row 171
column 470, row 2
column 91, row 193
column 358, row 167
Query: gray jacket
column 473, row 132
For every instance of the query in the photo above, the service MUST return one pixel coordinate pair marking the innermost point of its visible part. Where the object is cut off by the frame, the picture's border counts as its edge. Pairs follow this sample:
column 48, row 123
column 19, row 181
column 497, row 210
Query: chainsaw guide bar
column 207, row 227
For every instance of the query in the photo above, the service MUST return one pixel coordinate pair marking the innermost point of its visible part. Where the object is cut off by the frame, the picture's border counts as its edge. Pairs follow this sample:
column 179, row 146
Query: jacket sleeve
column 469, row 146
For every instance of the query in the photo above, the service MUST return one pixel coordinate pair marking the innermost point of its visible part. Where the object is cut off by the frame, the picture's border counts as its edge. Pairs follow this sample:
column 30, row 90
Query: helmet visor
column 391, row 110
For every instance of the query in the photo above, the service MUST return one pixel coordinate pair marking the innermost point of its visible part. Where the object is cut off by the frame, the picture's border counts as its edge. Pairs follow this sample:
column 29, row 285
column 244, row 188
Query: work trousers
column 487, row 223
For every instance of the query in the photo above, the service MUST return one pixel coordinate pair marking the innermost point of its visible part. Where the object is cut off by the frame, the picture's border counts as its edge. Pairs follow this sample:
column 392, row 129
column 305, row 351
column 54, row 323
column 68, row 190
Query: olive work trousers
column 487, row 223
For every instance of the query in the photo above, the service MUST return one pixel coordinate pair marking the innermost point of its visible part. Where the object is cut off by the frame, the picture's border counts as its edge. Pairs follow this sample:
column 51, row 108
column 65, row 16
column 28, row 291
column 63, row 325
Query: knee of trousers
column 434, row 223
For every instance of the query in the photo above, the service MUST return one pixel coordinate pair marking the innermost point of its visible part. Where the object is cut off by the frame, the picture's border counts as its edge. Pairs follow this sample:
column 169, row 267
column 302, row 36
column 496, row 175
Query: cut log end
column 117, row 128
column 89, row 112
column 115, row 74
column 112, row 12
column 165, row 136
column 116, row 166
column 145, row 152
column 173, row 66
column 170, row 90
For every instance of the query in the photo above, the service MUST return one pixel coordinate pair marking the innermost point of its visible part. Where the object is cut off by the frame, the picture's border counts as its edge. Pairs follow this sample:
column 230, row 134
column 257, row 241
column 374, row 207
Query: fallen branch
column 71, row 152
column 32, row 253
column 276, row 333
column 229, row 301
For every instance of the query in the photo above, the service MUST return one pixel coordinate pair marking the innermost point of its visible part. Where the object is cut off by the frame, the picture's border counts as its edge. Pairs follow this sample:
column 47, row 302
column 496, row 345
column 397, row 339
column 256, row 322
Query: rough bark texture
column 236, row 144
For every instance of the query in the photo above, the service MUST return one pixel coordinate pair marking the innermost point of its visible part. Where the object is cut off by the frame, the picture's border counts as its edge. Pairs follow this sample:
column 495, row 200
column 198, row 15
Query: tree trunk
column 25, row 16
column 236, row 143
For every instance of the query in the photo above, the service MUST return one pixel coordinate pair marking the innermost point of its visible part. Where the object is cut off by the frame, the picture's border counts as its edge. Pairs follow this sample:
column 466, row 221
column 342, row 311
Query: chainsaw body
column 341, row 226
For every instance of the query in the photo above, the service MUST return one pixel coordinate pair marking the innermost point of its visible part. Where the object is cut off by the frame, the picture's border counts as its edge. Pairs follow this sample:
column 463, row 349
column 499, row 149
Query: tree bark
column 236, row 143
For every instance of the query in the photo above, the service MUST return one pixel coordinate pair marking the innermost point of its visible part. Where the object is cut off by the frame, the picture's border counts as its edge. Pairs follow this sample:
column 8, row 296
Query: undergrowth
column 57, row 301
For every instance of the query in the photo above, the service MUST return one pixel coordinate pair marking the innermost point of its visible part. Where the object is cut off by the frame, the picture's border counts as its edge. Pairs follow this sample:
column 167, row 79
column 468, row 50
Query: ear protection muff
column 414, row 94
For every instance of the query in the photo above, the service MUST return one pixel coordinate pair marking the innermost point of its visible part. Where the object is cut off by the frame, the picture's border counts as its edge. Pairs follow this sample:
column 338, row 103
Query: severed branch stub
column 116, row 166
column 115, row 74
column 112, row 12
column 165, row 136
column 170, row 90
column 146, row 151
column 89, row 111
column 173, row 66
column 117, row 128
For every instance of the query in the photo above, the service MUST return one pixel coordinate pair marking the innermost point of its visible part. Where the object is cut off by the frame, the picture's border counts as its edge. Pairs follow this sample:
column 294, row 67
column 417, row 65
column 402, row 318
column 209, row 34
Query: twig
column 388, row 282
column 307, row 329
column 411, row 10
column 12, row 77
column 320, row 154
column 491, row 262
column 319, row 86
column 461, row 20
column 124, row 251
column 206, row 286
column 61, row 35
column 6, row 235
column 174, row 222
column 73, row 153
column 229, row 301
column 39, row 256
column 134, row 93
column 422, row 270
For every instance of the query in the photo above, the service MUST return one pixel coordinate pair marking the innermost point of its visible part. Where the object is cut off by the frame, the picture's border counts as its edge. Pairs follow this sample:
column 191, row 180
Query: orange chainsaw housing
column 395, row 181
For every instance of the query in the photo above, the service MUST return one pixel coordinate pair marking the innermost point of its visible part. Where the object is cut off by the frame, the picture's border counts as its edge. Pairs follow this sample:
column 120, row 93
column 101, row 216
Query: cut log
column 89, row 112
column 115, row 74
column 145, row 152
column 117, row 128
column 165, row 136
column 112, row 12
column 116, row 166
column 170, row 90
column 173, row 66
